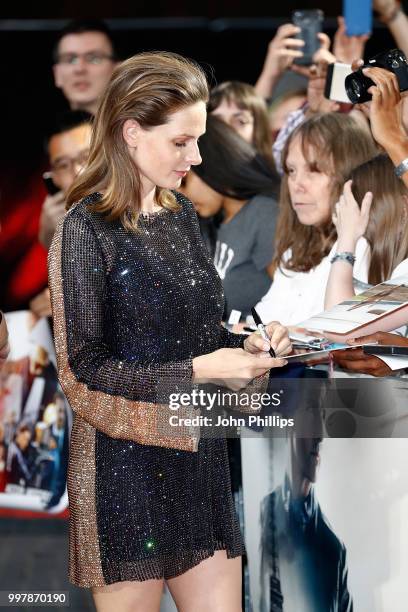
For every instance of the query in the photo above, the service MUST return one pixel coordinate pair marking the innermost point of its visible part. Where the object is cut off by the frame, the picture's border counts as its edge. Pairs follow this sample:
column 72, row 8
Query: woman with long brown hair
column 246, row 112
column 374, row 204
column 317, row 159
column 137, row 306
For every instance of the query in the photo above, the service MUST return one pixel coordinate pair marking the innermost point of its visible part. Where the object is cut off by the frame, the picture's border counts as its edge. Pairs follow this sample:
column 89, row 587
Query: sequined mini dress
column 130, row 308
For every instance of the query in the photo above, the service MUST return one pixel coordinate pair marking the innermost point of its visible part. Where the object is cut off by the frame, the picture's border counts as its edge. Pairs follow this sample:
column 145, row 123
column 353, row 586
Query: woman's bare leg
column 129, row 596
column 214, row 584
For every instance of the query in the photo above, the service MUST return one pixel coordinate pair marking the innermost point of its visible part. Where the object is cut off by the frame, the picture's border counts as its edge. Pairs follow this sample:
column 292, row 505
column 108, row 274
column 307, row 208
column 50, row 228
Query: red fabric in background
column 23, row 263
column 10, row 513
column 23, row 259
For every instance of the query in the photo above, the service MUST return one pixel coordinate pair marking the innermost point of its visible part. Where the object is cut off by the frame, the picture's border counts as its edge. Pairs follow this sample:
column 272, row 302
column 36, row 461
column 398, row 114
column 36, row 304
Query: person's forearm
column 340, row 283
column 397, row 149
column 266, row 84
column 399, row 30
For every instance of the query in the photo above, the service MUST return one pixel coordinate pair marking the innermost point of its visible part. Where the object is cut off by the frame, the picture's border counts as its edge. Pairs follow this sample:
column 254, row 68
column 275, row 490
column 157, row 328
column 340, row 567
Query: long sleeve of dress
column 115, row 396
column 230, row 340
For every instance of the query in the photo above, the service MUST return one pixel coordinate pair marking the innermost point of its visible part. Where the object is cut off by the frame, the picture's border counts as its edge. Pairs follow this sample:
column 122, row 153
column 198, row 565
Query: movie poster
column 35, row 420
column 326, row 525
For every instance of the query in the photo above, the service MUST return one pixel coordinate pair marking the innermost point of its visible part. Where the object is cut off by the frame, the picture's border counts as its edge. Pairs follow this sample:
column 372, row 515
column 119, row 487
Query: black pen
column 261, row 328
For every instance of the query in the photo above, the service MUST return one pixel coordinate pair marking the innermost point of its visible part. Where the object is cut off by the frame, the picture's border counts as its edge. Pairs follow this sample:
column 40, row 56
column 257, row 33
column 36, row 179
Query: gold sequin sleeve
column 115, row 396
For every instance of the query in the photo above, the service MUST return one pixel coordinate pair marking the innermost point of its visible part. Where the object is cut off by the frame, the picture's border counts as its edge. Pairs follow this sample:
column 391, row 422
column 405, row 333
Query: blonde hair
column 334, row 144
column 147, row 88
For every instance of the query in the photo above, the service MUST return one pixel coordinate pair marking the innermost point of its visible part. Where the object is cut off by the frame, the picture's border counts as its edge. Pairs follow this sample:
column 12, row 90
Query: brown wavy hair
column 387, row 230
column 246, row 98
column 147, row 87
column 332, row 143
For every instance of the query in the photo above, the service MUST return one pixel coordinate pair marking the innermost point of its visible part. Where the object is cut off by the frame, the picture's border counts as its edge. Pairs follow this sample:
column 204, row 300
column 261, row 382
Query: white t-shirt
column 400, row 270
column 296, row 296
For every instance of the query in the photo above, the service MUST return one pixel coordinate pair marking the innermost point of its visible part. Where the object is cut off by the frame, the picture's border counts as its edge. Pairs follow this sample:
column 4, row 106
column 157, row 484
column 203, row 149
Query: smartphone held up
column 50, row 186
column 310, row 23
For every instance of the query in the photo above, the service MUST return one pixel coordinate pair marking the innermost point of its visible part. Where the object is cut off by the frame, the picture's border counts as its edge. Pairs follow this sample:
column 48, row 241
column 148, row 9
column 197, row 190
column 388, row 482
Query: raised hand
column 350, row 219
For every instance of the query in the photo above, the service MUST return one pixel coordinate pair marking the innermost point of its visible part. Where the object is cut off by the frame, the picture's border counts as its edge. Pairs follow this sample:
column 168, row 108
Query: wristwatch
column 401, row 168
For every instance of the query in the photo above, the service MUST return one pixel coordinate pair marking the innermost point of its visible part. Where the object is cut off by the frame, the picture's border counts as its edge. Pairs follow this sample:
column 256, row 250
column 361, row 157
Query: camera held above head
column 357, row 84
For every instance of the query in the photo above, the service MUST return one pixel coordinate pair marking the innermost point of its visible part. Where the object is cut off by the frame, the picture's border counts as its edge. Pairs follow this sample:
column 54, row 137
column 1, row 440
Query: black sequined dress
column 130, row 308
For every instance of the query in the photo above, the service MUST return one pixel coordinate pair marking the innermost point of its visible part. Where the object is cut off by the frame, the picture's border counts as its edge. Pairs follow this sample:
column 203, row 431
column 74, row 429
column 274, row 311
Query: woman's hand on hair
column 279, row 341
column 350, row 219
column 345, row 47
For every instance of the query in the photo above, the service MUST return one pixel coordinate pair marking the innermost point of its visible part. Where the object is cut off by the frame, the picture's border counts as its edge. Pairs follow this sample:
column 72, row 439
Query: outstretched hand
column 345, row 47
column 316, row 73
column 359, row 362
column 385, row 109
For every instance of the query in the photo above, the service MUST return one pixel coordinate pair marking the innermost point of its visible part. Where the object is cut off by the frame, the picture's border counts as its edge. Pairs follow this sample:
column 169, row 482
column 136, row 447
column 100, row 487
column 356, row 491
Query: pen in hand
column 261, row 328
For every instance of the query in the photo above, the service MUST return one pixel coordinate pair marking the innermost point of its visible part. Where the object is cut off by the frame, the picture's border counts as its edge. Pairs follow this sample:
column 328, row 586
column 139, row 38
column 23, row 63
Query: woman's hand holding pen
column 279, row 341
column 233, row 368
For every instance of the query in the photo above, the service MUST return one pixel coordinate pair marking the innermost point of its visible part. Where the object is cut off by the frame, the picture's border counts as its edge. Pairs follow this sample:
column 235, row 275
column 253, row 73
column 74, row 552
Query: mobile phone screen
column 310, row 23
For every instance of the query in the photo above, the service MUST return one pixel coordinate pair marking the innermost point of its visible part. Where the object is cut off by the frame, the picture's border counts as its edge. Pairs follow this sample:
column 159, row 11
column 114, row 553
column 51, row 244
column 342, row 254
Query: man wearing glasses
column 83, row 63
column 68, row 148
column 84, row 59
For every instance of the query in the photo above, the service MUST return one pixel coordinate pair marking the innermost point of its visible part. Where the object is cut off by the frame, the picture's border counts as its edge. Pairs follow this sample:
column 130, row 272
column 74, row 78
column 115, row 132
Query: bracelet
column 346, row 256
column 401, row 168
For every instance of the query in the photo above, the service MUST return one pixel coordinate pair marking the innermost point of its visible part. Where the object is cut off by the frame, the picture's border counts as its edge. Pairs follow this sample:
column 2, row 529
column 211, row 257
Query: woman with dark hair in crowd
column 137, row 308
column 238, row 183
column 317, row 159
column 246, row 112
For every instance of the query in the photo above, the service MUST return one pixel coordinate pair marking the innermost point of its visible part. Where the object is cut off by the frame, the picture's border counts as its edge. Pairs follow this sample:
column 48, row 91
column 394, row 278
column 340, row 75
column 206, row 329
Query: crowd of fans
column 284, row 185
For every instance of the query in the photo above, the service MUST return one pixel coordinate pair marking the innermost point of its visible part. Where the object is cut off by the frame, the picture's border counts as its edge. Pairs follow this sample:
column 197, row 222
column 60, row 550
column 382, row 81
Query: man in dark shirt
column 303, row 561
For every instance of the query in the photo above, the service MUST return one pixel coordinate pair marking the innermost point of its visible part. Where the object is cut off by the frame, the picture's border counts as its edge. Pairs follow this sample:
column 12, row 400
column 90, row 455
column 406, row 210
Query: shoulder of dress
column 188, row 210
column 82, row 206
column 81, row 211
column 183, row 200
